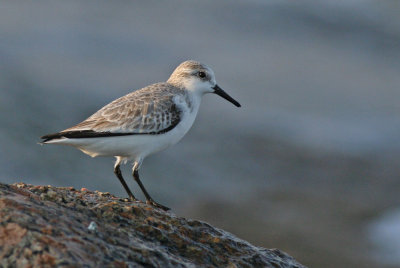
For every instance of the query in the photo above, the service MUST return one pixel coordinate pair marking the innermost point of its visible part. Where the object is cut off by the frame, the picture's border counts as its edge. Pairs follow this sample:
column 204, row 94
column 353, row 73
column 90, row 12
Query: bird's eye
column 201, row 74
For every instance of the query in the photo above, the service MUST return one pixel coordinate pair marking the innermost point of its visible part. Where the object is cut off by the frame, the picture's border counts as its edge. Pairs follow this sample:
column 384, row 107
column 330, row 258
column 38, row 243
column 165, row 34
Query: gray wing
column 151, row 110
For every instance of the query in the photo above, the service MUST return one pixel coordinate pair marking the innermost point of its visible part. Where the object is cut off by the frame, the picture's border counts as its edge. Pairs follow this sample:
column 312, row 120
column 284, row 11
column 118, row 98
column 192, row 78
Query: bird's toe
column 157, row 205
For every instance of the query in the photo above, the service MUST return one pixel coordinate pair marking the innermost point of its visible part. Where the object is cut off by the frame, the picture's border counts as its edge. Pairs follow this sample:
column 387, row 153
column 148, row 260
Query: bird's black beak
column 223, row 94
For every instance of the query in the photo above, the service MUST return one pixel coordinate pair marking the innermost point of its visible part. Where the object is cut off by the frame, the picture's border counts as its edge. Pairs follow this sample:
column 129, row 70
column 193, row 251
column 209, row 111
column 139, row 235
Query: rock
column 45, row 226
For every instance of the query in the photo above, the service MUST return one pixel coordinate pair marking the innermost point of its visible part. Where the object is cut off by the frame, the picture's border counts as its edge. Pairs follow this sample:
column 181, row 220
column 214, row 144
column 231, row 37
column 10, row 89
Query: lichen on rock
column 45, row 226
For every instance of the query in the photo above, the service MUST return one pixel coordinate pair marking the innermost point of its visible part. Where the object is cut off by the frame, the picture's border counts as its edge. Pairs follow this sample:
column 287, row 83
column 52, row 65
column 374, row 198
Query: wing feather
column 151, row 110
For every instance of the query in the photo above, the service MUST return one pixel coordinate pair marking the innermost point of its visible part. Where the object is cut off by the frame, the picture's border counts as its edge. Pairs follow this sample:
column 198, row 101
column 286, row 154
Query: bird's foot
column 133, row 199
column 157, row 205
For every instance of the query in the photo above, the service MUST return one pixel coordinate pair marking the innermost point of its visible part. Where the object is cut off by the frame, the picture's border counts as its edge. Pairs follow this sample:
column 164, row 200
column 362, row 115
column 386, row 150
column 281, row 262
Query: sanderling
column 145, row 121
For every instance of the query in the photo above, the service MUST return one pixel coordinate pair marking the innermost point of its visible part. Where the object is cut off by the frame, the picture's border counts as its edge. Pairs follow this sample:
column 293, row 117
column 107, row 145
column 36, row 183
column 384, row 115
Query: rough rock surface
column 45, row 226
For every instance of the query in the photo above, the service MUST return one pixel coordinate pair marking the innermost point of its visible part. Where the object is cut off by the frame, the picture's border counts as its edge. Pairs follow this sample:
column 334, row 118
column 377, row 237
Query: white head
column 198, row 78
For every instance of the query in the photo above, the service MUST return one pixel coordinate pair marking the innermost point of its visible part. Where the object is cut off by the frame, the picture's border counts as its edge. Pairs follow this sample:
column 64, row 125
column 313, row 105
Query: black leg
column 149, row 200
column 118, row 173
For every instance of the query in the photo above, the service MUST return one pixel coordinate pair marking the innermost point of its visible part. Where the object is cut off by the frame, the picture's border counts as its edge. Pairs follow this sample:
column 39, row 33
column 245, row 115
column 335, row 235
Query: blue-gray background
column 309, row 164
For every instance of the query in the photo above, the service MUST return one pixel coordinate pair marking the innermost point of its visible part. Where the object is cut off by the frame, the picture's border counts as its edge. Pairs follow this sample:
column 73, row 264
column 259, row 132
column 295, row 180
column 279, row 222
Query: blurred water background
column 309, row 164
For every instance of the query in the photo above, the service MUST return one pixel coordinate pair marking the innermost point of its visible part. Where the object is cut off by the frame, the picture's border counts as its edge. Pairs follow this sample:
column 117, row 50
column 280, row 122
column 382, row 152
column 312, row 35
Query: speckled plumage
column 147, row 110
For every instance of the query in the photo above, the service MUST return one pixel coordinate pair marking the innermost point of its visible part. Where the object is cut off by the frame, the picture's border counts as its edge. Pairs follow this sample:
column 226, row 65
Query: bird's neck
column 194, row 99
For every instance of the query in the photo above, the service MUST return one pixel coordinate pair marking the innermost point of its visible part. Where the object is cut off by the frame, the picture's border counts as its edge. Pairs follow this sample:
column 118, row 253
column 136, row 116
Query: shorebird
column 144, row 121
